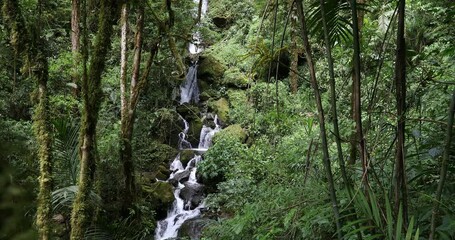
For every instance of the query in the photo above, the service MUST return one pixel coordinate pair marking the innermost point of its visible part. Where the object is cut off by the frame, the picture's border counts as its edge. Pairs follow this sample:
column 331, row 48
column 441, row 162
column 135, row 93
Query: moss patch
column 221, row 108
column 161, row 197
column 210, row 69
column 236, row 131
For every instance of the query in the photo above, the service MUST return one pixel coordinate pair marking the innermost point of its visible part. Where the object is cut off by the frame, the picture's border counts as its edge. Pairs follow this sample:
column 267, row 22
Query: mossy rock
column 185, row 156
column 221, row 108
column 188, row 111
column 236, row 131
column 154, row 154
column 194, row 132
column 166, row 125
column 192, row 228
column 161, row 197
column 210, row 69
column 208, row 94
column 233, row 77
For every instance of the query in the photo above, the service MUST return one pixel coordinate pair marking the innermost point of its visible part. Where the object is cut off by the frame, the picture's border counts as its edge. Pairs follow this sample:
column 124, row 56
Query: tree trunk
column 37, row 63
column 400, row 86
column 75, row 43
column 127, row 116
column 334, row 98
column 91, row 95
column 444, row 165
column 357, row 97
column 293, row 73
column 325, row 150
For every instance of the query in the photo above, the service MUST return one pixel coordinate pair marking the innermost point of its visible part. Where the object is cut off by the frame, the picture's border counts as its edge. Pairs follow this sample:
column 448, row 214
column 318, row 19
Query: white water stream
column 187, row 205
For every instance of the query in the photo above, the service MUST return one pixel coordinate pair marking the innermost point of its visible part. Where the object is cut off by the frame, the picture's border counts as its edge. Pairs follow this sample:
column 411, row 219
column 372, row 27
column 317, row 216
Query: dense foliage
column 264, row 175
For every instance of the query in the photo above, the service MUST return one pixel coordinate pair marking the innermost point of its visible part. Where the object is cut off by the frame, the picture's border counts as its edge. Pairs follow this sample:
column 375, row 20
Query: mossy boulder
column 193, row 228
column 195, row 131
column 153, row 155
column 210, row 70
column 221, row 108
column 185, row 156
column 236, row 131
column 161, row 197
column 188, row 111
column 234, row 78
column 165, row 125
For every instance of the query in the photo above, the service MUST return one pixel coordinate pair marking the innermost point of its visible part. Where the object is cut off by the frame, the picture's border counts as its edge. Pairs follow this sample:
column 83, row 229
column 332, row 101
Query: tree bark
column 37, row 64
column 334, row 98
column 91, row 95
column 400, row 86
column 444, row 165
column 293, row 73
column 314, row 84
column 75, row 42
column 357, row 110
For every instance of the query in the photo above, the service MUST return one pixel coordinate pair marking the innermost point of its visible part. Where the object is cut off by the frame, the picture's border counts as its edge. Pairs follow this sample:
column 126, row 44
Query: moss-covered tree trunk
column 75, row 43
column 129, row 104
column 32, row 46
column 91, row 96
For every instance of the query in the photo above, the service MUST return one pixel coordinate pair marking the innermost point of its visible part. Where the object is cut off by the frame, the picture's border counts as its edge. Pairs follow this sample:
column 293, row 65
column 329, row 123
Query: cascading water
column 187, row 191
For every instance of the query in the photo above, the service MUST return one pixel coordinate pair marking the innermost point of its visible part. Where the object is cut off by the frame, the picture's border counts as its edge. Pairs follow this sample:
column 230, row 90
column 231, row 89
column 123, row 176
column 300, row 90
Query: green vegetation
column 337, row 118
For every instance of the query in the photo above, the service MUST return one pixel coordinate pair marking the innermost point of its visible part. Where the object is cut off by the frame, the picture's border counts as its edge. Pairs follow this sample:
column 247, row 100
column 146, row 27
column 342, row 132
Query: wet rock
column 180, row 177
column 185, row 156
column 193, row 228
column 192, row 195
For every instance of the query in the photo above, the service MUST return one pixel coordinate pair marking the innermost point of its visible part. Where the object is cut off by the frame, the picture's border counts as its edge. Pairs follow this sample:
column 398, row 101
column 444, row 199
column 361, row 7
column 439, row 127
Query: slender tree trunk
column 314, row 84
column 75, row 43
column 127, row 117
column 400, row 85
column 444, row 165
column 357, row 96
column 334, row 98
column 91, row 95
column 354, row 136
column 199, row 11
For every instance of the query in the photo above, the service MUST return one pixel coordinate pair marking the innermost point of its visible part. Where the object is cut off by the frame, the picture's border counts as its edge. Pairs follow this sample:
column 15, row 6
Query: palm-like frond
column 337, row 15
column 66, row 152
column 64, row 197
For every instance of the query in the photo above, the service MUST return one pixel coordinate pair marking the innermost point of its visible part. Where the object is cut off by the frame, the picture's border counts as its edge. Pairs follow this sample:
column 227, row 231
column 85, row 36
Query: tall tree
column 356, row 92
column 293, row 73
column 75, row 42
column 444, row 165
column 91, row 97
column 32, row 45
column 129, row 100
column 333, row 98
column 315, row 85
column 400, row 88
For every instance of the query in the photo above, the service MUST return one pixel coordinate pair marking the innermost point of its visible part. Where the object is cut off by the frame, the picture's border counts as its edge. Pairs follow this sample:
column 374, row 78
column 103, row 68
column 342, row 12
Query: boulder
column 236, row 131
column 192, row 195
column 161, row 196
column 194, row 132
column 179, row 177
column 193, row 228
column 221, row 108
column 185, row 156
column 210, row 70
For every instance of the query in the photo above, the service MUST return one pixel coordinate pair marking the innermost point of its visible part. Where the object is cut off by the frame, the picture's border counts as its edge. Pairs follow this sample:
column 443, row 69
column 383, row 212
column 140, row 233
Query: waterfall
column 187, row 191
column 190, row 90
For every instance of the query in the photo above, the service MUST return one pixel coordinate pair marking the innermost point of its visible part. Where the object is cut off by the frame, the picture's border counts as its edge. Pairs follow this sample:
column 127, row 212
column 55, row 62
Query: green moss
column 221, row 108
column 210, row 69
column 236, row 131
column 160, row 196
column 185, row 156
column 233, row 77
